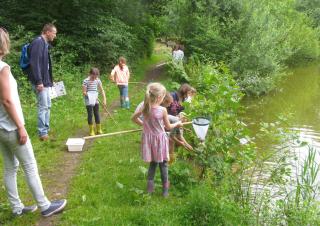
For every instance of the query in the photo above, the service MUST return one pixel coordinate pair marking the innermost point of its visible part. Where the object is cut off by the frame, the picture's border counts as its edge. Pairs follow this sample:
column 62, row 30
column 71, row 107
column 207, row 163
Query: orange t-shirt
column 121, row 77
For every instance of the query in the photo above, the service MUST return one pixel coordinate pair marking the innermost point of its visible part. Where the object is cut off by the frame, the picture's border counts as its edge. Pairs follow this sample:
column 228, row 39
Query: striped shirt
column 121, row 77
column 92, row 86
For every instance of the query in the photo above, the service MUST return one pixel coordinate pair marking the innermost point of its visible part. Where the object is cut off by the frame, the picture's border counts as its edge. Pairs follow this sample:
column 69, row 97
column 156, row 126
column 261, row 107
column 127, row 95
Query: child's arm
column 182, row 141
column 136, row 118
column 112, row 75
column 84, row 90
column 167, row 123
column 103, row 94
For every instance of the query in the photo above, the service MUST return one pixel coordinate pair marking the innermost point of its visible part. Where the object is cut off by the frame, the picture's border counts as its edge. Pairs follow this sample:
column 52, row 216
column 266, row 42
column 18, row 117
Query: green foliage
column 311, row 8
column 182, row 177
column 301, row 206
column 256, row 39
column 207, row 206
column 96, row 32
column 218, row 97
column 177, row 72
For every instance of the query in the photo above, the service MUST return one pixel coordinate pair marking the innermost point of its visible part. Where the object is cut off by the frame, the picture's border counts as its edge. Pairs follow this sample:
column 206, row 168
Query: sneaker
column 44, row 138
column 55, row 207
column 26, row 209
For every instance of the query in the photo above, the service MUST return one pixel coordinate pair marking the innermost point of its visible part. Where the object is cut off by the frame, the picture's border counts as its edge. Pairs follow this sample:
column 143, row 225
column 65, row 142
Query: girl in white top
column 178, row 54
column 15, row 145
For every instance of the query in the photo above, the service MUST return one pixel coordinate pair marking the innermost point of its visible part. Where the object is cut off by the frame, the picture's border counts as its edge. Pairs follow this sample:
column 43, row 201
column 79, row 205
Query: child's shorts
column 174, row 131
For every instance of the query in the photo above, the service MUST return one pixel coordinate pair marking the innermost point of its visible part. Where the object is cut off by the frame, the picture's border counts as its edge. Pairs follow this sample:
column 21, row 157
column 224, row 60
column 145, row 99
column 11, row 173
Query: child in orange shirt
column 121, row 75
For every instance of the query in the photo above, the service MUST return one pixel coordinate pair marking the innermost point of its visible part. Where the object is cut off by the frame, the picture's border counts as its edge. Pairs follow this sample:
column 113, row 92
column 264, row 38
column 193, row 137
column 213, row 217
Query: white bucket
column 75, row 144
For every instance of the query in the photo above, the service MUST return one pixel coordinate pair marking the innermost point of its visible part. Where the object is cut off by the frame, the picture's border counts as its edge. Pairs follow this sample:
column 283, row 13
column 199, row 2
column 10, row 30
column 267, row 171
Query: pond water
column 298, row 99
column 299, row 96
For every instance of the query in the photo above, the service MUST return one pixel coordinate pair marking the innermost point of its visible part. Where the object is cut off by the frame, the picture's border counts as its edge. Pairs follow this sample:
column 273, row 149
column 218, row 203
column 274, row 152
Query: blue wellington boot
column 127, row 104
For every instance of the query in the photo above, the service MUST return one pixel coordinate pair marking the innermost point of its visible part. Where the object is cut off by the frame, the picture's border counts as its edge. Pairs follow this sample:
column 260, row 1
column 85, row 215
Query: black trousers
column 93, row 110
column 163, row 170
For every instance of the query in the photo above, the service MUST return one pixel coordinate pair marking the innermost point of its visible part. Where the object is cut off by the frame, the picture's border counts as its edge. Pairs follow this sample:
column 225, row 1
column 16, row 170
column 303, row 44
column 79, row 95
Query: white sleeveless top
column 6, row 122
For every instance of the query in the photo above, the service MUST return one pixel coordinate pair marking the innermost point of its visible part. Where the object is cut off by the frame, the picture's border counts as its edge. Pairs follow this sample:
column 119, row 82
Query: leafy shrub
column 206, row 206
column 218, row 97
column 257, row 39
column 182, row 176
column 177, row 72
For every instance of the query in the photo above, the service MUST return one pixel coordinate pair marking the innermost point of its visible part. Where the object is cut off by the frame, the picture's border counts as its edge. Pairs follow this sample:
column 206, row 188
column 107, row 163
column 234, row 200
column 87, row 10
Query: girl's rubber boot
column 91, row 130
column 122, row 102
column 127, row 104
column 150, row 186
column 165, row 189
column 98, row 128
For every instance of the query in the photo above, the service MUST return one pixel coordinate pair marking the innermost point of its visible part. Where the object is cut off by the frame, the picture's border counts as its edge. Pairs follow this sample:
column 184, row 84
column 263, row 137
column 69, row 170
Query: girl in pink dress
column 155, row 142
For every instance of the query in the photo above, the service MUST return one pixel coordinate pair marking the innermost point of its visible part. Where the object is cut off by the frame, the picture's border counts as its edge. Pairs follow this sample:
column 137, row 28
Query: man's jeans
column 13, row 153
column 44, row 105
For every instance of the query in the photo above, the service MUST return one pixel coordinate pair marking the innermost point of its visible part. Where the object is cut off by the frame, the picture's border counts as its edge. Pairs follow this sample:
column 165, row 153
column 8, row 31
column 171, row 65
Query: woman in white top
column 15, row 145
column 177, row 54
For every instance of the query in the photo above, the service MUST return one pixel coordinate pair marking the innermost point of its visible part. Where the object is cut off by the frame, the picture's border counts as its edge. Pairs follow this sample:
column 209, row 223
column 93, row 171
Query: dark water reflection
column 299, row 96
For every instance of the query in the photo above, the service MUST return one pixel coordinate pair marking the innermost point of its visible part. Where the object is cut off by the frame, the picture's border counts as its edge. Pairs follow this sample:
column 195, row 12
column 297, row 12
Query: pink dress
column 155, row 142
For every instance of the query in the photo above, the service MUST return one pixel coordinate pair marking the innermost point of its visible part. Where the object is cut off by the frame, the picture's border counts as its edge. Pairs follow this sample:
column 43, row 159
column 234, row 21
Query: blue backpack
column 24, row 58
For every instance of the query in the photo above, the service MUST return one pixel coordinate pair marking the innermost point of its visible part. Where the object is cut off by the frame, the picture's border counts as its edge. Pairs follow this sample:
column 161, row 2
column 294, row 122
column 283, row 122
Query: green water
column 299, row 96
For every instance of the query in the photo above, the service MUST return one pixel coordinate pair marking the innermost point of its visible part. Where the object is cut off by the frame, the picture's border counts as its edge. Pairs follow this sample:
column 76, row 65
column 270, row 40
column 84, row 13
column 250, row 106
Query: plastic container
column 75, row 144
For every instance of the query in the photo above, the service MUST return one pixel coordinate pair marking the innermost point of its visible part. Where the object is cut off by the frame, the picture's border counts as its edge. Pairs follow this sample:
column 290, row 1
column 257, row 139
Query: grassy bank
column 110, row 186
column 67, row 119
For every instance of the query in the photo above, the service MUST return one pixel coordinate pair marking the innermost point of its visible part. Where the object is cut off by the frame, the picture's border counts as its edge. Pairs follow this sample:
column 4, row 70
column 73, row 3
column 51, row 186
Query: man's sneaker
column 55, row 207
column 26, row 209
column 44, row 138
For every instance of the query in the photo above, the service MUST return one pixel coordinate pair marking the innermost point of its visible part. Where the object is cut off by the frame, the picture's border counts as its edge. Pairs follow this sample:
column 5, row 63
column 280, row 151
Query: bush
column 182, row 177
column 257, row 39
column 206, row 206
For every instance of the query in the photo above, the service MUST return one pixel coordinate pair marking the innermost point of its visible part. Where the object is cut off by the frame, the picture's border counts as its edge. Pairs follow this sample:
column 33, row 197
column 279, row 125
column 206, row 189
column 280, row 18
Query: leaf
column 143, row 170
column 84, row 198
column 119, row 185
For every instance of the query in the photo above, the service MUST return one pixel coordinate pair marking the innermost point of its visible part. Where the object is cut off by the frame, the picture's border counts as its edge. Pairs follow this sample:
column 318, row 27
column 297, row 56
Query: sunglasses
column 5, row 30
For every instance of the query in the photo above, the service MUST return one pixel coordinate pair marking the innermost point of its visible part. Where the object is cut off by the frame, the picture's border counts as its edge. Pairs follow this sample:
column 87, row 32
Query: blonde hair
column 4, row 42
column 48, row 27
column 153, row 93
column 122, row 60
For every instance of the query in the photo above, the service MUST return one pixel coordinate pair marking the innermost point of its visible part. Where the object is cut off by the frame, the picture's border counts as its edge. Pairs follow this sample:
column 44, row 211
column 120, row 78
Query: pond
column 298, row 99
column 299, row 96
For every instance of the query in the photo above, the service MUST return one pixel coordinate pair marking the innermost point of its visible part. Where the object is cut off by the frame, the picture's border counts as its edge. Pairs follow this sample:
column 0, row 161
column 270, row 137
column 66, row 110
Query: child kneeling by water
column 176, row 135
column 155, row 142
column 90, row 89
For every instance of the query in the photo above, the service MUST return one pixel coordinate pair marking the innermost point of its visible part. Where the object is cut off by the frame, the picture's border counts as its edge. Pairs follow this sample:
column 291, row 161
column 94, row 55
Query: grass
column 110, row 186
column 68, row 117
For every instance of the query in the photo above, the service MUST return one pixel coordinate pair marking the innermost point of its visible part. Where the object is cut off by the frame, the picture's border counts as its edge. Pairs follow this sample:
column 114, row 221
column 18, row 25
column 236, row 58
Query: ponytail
column 147, row 104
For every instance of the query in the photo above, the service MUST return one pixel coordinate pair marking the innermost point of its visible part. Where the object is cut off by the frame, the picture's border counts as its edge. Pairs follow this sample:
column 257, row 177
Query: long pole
column 106, row 110
column 120, row 132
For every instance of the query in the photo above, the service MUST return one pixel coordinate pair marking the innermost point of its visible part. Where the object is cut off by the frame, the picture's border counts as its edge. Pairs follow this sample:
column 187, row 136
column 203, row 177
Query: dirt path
column 67, row 168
